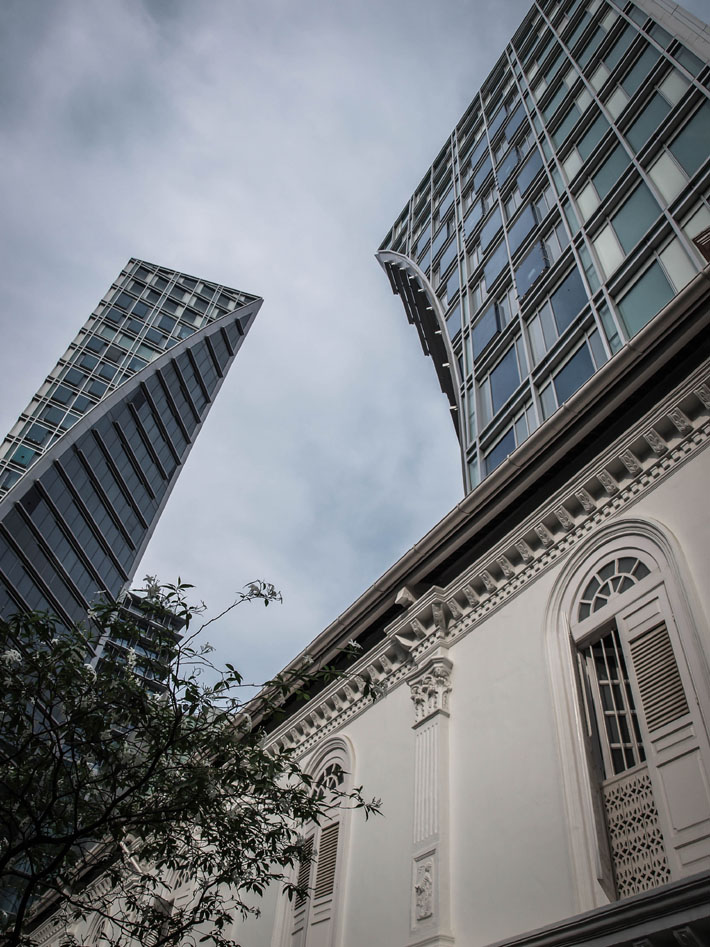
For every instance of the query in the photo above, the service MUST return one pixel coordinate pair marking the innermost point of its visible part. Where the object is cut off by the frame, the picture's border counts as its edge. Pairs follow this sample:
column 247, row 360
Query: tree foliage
column 150, row 816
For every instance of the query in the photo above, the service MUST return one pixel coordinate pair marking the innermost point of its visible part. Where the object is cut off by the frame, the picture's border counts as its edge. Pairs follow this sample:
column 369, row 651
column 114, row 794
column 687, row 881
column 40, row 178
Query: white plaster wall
column 377, row 905
column 510, row 858
column 511, row 868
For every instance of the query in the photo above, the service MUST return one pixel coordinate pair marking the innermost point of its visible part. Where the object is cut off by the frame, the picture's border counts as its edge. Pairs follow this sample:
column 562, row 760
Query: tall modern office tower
column 563, row 213
column 88, row 467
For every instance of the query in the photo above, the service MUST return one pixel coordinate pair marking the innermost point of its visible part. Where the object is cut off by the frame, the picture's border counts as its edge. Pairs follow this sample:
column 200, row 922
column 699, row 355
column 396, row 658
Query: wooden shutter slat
column 327, row 856
column 659, row 683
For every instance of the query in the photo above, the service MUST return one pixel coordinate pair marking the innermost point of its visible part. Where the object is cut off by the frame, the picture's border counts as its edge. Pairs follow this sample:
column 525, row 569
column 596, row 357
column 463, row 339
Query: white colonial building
column 540, row 744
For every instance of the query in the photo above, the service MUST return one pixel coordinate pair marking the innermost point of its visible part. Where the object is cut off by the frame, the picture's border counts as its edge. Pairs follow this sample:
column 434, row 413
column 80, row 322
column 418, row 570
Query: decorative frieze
column 608, row 482
column 702, row 393
column 544, row 534
column 655, row 442
column 586, row 500
column 488, row 581
column 471, row 595
column 681, row 420
column 526, row 553
column 564, row 517
column 506, row 567
column 455, row 609
column 630, row 462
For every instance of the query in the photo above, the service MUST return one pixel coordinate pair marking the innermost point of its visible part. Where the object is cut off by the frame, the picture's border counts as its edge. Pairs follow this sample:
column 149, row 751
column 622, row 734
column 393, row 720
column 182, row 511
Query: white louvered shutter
column 301, row 904
column 674, row 734
column 321, row 917
column 327, row 857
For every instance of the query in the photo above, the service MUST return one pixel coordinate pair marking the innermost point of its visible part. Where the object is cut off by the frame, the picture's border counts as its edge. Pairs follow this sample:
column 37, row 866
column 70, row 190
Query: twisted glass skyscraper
column 565, row 210
column 88, row 467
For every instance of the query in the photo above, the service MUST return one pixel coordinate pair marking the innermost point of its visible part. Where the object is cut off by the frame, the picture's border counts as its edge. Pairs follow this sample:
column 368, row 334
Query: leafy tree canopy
column 143, row 810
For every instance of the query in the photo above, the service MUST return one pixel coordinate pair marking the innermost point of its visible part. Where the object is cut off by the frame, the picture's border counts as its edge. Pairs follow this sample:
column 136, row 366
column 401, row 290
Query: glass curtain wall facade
column 104, row 439
column 560, row 216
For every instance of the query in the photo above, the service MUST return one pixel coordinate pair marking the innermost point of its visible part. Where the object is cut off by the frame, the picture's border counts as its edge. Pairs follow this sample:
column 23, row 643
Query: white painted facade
column 479, row 746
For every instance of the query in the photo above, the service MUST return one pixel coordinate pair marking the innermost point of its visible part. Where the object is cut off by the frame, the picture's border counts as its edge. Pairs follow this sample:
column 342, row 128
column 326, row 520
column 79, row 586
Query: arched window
column 639, row 681
column 313, row 918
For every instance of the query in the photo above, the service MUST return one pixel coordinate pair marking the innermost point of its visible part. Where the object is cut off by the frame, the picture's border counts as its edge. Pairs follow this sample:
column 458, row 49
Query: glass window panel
column 555, row 102
column 491, row 228
column 688, row 59
column 616, row 103
column 549, row 328
column 610, row 172
column 677, row 265
column 566, row 125
column 673, row 86
column 496, row 123
column 573, row 374
column 598, row 353
column 453, row 321
column 530, row 269
column 495, row 264
column 568, row 300
column 509, row 165
column 578, row 30
column 587, row 201
column 529, row 171
column 478, row 151
column 482, row 173
column 452, row 286
column 638, row 72
column 572, row 164
column 504, row 379
column 537, row 342
column 547, row 399
column 635, row 216
column 439, row 240
column 667, row 177
column 692, row 146
column 645, row 298
column 521, row 228
column 648, row 121
column 515, row 121
column 608, row 250
column 446, row 202
column 593, row 135
column 472, row 219
column 591, row 47
column 599, row 76
column 614, row 56
column 447, row 257
column 495, row 457
column 485, row 329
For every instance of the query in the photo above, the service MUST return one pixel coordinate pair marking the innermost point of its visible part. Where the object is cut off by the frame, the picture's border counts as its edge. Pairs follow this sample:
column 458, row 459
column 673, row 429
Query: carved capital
column 430, row 687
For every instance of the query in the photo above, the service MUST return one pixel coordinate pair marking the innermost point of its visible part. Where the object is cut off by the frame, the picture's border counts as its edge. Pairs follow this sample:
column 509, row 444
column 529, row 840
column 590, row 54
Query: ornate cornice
column 677, row 429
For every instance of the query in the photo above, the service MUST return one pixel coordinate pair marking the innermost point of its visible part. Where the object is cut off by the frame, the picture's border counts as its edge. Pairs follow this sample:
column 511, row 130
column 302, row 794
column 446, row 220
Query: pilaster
column 430, row 918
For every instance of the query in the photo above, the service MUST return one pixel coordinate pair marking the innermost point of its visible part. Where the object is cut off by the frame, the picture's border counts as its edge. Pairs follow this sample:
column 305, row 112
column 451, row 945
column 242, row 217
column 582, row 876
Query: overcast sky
column 268, row 145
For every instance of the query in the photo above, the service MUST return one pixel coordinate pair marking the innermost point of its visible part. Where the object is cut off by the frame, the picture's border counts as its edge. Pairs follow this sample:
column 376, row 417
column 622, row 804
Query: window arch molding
column 294, row 922
column 566, row 630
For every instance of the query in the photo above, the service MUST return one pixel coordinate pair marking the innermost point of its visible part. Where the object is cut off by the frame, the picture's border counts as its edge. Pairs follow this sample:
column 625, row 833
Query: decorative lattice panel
column 637, row 850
